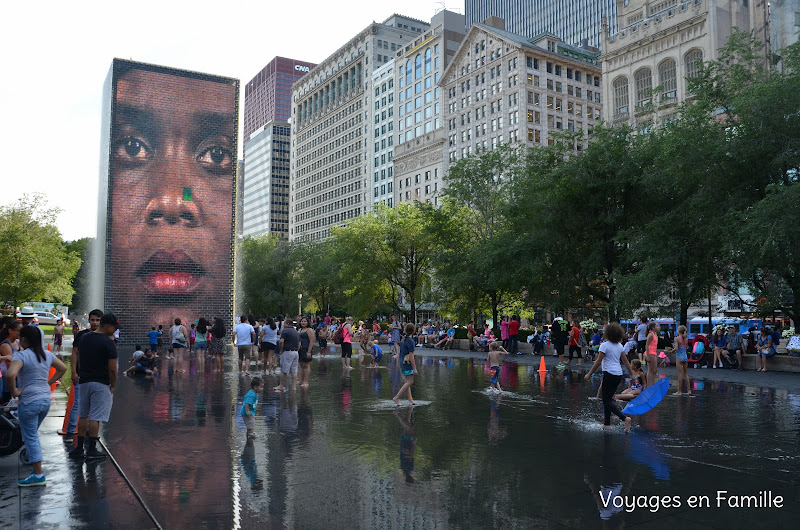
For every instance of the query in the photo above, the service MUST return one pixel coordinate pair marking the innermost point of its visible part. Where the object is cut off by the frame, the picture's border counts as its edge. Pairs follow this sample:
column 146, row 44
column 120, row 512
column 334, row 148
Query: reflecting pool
column 341, row 455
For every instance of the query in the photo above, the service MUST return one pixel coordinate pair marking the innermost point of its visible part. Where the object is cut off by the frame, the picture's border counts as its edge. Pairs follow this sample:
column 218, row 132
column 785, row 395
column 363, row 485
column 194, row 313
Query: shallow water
column 341, row 455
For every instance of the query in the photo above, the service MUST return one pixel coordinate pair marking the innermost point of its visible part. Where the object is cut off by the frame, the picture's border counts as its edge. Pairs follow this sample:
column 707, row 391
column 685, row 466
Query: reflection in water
column 545, row 447
column 609, row 485
column 408, row 443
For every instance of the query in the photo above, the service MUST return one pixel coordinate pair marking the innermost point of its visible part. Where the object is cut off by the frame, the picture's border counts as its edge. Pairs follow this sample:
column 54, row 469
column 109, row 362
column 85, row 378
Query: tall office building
column 576, row 22
column 382, row 189
column 419, row 151
column 502, row 87
column 266, row 181
column 332, row 139
column 268, row 96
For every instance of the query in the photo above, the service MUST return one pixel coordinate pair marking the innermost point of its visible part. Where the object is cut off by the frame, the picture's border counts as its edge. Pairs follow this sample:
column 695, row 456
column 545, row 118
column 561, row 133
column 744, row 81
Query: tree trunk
column 684, row 319
column 495, row 303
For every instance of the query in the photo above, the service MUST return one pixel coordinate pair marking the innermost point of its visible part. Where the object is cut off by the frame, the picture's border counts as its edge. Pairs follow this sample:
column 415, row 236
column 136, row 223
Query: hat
column 27, row 312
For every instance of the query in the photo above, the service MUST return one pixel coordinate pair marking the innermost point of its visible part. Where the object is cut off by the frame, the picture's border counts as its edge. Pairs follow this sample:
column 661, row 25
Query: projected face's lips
column 170, row 273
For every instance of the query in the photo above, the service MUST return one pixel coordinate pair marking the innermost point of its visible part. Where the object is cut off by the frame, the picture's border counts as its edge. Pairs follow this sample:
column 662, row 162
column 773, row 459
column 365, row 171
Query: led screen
column 169, row 196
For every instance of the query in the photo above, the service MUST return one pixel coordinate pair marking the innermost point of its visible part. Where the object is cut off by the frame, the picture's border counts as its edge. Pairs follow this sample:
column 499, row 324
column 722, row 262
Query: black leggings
column 610, row 384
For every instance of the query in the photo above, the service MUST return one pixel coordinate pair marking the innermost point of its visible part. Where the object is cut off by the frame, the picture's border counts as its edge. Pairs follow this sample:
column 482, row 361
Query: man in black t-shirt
column 96, row 364
column 94, row 322
column 559, row 336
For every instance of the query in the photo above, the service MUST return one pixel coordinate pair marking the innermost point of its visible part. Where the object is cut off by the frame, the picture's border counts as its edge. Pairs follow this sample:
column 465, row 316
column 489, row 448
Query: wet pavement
column 341, row 455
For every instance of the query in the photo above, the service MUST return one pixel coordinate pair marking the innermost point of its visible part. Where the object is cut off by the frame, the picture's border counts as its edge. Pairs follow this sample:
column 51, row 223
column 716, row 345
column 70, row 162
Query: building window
column 668, row 81
column 428, row 61
column 692, row 61
column 621, row 97
column 644, row 84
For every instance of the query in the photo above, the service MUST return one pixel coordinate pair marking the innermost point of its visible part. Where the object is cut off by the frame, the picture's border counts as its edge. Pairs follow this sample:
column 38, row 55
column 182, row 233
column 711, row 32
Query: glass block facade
column 167, row 196
column 573, row 21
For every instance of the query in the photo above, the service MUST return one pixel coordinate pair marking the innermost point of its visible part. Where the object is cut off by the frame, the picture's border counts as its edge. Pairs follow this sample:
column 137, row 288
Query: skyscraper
column 574, row 21
column 264, row 192
column 332, row 129
column 268, row 96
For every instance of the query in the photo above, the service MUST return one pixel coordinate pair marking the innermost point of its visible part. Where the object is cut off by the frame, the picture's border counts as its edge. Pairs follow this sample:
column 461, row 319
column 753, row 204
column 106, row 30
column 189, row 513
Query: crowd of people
column 284, row 346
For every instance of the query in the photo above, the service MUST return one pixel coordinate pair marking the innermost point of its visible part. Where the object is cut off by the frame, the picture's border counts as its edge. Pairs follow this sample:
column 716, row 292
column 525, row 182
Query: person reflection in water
column 249, row 466
column 173, row 157
column 408, row 443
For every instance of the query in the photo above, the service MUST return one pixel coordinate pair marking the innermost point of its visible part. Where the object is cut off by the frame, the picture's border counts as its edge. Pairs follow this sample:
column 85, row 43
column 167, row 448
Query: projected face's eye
column 215, row 156
column 132, row 150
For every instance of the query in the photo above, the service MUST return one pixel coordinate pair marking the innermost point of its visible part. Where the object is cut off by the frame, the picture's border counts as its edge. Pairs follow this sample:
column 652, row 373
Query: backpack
column 338, row 337
column 776, row 338
column 699, row 347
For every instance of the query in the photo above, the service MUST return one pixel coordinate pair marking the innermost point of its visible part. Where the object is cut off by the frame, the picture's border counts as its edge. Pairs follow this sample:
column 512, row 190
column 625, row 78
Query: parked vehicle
column 46, row 317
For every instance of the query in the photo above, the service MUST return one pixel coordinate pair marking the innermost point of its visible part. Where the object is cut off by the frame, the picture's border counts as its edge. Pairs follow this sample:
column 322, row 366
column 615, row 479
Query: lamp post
column 299, row 304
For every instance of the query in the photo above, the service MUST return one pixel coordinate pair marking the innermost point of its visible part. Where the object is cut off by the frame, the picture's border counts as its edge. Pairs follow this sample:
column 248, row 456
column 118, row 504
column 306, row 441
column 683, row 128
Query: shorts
column 249, row 422
column 176, row 345
column 495, row 373
column 153, row 346
column 640, row 346
column 217, row 345
column 95, row 401
column 244, row 351
column 559, row 348
column 201, row 345
column 408, row 372
column 267, row 346
column 323, row 343
column 347, row 349
column 574, row 349
column 57, row 339
column 289, row 361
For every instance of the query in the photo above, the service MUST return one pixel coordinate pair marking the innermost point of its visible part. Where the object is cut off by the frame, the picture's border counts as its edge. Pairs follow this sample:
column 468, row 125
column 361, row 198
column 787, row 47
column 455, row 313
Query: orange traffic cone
column 49, row 376
column 542, row 367
column 70, row 403
column 48, row 347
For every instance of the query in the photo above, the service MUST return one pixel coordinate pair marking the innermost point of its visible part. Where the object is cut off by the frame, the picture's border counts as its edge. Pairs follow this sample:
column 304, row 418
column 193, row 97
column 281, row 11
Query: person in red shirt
column 513, row 333
column 574, row 337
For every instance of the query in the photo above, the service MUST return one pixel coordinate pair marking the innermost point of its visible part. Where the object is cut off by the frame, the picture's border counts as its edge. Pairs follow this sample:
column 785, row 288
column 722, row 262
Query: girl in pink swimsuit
column 651, row 353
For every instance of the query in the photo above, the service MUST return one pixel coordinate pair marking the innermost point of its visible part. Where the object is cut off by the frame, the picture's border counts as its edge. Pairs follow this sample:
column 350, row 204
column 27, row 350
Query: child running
column 495, row 351
column 637, row 383
column 249, row 406
column 408, row 365
column 609, row 358
column 682, row 360
column 377, row 353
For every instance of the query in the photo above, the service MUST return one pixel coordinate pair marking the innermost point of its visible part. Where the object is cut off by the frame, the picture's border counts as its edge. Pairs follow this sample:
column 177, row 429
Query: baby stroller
column 11, row 434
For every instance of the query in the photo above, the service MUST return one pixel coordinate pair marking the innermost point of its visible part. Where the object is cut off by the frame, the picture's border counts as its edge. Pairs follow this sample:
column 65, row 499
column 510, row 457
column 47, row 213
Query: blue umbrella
column 649, row 398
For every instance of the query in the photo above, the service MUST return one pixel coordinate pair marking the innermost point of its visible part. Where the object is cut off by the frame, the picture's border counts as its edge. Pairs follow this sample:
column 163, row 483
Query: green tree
column 36, row 264
column 319, row 278
column 758, row 184
column 473, row 232
column 385, row 258
column 80, row 283
column 569, row 218
column 268, row 275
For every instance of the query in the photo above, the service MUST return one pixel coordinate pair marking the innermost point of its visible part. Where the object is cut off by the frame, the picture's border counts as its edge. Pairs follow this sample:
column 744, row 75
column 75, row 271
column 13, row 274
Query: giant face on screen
column 172, row 162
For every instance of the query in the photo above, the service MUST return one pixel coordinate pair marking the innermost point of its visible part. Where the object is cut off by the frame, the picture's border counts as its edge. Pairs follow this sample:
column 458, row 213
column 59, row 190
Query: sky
column 58, row 54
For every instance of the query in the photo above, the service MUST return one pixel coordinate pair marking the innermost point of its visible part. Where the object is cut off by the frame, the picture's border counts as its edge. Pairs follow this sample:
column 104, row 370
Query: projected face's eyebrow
column 139, row 117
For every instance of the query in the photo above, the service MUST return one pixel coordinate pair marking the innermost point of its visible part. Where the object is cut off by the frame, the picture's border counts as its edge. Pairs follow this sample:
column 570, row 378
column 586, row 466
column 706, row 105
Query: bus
column 699, row 325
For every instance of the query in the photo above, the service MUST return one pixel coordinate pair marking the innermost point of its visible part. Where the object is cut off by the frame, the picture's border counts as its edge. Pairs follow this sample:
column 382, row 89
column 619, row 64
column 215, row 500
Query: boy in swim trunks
column 495, row 351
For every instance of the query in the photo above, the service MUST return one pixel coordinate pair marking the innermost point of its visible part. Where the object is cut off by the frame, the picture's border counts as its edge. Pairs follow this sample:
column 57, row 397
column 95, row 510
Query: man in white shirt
column 244, row 336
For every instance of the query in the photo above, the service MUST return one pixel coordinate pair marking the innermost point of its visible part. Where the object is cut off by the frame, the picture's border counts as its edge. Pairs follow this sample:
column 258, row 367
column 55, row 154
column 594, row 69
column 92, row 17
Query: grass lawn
column 47, row 329
column 66, row 379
